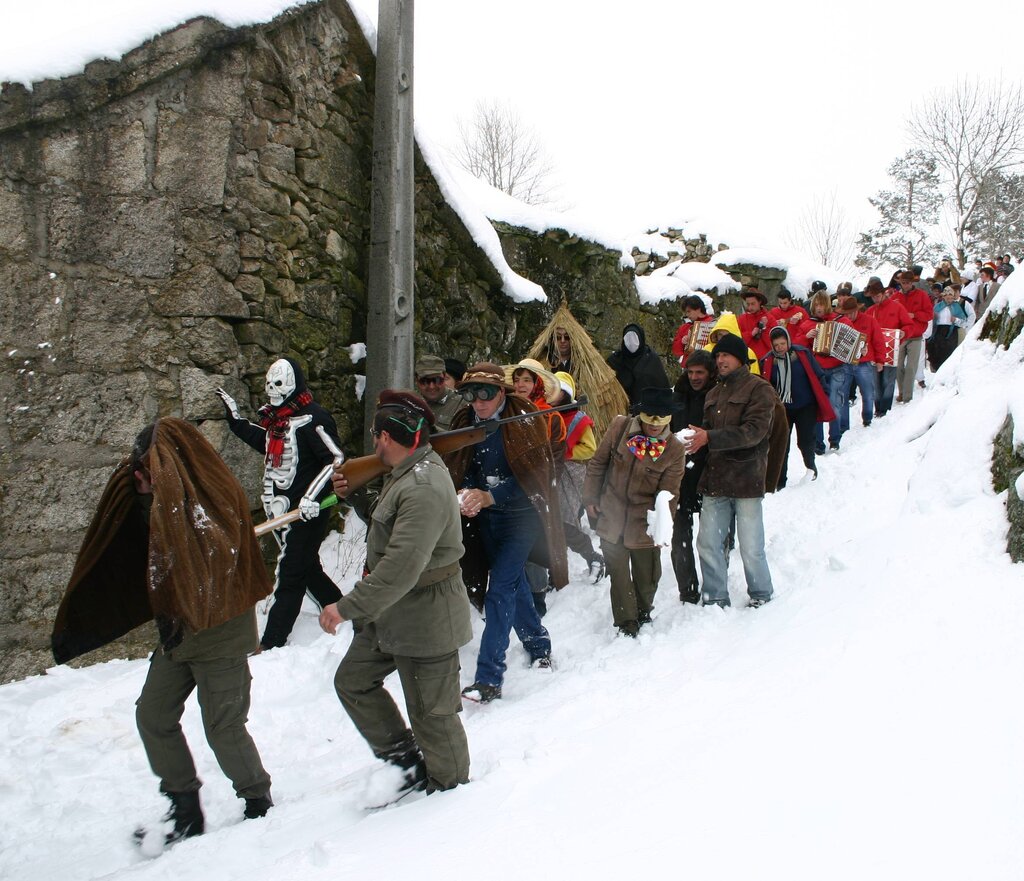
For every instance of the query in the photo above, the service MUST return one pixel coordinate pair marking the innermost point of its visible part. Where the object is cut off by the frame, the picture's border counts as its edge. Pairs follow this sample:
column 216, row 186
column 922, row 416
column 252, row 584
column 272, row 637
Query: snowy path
column 866, row 724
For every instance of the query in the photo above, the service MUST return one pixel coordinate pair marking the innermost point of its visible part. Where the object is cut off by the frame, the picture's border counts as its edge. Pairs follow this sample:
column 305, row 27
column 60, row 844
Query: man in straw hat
column 565, row 345
column 411, row 606
column 507, row 490
column 638, row 458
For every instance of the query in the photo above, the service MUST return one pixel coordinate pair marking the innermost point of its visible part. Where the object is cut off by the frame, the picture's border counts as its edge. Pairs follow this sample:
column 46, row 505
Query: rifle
column 360, row 471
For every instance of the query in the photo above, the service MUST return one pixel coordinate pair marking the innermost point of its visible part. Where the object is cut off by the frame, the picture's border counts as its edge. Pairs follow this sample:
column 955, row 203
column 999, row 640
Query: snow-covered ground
column 866, row 724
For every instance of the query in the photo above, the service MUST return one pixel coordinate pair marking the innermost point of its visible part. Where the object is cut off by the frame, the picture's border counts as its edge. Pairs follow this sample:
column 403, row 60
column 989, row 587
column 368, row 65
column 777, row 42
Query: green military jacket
column 413, row 602
column 445, row 410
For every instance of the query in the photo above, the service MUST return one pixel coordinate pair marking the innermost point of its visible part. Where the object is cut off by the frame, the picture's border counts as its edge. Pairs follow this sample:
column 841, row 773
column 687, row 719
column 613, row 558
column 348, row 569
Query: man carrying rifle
column 410, row 608
column 506, row 488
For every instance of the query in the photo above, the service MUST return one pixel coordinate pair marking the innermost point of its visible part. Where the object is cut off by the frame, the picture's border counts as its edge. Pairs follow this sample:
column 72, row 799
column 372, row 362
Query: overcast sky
column 652, row 111
column 655, row 110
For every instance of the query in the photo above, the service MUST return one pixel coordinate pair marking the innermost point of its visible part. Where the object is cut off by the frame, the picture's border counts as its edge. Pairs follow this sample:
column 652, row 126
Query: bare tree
column 823, row 230
column 496, row 146
column 974, row 131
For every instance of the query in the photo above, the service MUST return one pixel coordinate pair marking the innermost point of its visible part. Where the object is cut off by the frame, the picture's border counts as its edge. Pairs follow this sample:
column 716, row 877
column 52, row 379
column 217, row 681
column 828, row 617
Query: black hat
column 656, row 402
column 732, row 345
column 818, row 286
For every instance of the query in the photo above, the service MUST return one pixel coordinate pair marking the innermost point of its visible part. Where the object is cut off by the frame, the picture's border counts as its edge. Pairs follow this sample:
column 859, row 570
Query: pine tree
column 909, row 212
column 997, row 226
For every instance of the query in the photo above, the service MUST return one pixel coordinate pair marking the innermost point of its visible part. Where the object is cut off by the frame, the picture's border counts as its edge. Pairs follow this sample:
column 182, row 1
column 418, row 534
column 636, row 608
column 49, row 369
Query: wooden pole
column 390, row 304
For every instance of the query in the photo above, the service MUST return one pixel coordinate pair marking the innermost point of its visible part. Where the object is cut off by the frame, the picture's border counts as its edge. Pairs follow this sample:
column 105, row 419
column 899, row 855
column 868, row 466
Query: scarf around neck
column 782, row 377
column 275, row 421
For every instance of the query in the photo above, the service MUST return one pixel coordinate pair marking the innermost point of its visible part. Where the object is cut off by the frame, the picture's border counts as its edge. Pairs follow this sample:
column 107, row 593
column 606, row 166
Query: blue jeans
column 837, row 387
column 507, row 538
column 885, row 388
column 713, row 542
column 864, row 376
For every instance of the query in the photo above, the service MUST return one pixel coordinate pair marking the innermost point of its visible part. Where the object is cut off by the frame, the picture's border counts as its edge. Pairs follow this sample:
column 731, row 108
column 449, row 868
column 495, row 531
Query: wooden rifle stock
column 360, row 471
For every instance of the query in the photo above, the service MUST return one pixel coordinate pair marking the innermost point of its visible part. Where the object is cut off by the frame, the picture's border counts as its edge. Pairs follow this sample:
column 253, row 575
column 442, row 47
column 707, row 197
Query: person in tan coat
column 638, row 458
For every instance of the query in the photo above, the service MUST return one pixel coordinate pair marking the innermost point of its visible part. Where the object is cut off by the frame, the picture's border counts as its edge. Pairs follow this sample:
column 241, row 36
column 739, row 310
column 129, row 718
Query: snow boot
column 187, row 816
column 258, row 807
column 414, row 770
column 481, row 693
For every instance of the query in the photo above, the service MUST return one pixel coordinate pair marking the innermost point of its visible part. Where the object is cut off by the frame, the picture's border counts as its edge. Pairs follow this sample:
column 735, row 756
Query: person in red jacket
column 787, row 314
column 696, row 312
column 890, row 316
column 837, row 374
column 919, row 307
column 863, row 372
column 754, row 323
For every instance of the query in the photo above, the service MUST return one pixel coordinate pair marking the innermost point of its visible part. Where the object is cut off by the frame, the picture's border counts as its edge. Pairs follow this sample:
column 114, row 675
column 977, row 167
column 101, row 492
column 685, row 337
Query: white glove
column 229, row 404
column 309, row 509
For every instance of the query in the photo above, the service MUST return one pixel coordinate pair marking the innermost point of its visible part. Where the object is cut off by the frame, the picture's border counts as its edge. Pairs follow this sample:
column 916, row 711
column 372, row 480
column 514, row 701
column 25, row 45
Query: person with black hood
column 294, row 458
column 636, row 365
column 799, row 380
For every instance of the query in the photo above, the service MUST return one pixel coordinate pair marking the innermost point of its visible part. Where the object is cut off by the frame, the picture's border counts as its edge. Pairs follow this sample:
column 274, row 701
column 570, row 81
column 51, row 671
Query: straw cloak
column 195, row 566
column 524, row 443
column 606, row 398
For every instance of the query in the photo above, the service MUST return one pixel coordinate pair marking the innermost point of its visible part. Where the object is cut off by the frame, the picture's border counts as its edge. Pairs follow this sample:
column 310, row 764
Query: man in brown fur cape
column 507, row 489
column 172, row 540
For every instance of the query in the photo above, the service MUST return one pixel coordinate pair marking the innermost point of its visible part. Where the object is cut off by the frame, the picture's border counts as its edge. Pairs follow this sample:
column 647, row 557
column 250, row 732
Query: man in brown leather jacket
column 738, row 415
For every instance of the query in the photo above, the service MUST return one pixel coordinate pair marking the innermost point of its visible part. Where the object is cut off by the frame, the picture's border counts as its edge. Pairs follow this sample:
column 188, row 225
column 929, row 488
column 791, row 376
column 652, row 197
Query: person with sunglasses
column 509, row 500
column 433, row 385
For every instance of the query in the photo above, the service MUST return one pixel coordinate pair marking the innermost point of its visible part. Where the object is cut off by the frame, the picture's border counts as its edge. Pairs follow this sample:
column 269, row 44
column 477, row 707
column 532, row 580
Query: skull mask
column 280, row 382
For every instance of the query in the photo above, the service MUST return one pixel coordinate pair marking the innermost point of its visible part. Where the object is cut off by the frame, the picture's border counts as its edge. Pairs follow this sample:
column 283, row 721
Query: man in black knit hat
column 738, row 415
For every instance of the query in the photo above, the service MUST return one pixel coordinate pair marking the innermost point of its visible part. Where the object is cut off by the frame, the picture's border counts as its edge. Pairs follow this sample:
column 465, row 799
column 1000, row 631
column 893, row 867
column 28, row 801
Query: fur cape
column 527, row 448
column 196, row 565
column 592, row 375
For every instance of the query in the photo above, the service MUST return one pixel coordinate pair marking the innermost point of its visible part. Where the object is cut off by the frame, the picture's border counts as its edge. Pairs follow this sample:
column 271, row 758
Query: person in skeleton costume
column 294, row 476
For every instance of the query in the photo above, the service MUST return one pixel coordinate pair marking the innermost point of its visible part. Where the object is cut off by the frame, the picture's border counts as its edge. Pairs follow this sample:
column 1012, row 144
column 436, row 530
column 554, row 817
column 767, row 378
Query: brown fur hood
column 197, row 564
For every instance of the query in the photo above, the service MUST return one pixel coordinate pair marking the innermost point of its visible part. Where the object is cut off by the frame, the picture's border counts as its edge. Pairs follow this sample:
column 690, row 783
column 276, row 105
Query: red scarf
column 275, row 421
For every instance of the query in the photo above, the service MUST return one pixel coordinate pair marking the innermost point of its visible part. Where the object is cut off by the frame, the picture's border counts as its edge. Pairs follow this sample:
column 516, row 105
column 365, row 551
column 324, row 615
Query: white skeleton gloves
column 229, row 404
column 309, row 509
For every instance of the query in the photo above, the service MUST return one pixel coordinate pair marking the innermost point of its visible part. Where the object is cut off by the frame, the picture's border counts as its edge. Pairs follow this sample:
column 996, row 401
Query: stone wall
column 171, row 223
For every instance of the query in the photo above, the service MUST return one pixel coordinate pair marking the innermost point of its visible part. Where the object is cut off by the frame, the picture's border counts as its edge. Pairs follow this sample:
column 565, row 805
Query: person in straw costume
column 566, row 346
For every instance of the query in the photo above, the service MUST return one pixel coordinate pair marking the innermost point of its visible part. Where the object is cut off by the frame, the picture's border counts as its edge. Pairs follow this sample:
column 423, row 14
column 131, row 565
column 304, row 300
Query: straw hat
column 552, row 387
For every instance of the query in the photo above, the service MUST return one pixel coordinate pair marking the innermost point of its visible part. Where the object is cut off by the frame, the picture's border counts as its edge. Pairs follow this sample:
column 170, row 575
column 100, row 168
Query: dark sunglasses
column 479, row 393
column 431, row 380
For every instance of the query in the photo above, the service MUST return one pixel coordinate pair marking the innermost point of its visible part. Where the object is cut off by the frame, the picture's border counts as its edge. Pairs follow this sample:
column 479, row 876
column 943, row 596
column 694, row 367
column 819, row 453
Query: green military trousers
column 634, row 574
column 223, row 692
column 432, row 700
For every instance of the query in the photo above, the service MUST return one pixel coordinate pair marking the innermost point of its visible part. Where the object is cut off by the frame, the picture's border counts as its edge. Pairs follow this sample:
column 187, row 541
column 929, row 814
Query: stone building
column 172, row 222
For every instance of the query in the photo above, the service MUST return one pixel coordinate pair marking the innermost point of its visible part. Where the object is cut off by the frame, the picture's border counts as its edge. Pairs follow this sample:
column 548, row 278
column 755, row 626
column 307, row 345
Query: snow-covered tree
column 496, row 146
column 997, row 226
column 908, row 213
column 973, row 131
column 823, row 230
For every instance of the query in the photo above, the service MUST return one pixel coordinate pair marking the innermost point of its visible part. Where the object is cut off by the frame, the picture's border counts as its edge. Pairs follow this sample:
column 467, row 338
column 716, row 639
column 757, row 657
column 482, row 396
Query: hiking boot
column 481, row 692
column 184, row 812
column 414, row 769
column 819, row 449
column 257, row 807
column 689, row 596
column 628, row 628
column 643, row 617
column 597, row 570
column 833, row 445
column 545, row 664
column 757, row 602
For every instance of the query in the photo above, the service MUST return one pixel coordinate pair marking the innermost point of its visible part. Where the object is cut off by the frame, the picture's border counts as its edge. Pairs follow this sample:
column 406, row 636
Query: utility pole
column 390, row 313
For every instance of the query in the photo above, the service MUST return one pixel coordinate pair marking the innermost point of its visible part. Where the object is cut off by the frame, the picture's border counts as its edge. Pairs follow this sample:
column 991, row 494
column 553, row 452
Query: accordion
column 700, row 333
column 891, row 352
column 839, row 341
